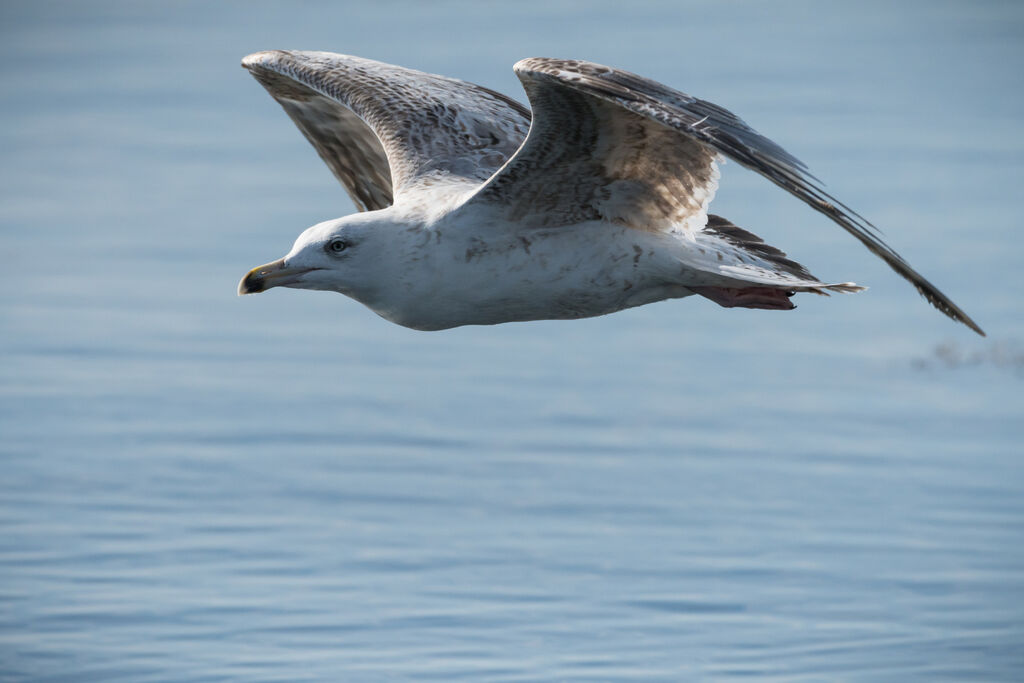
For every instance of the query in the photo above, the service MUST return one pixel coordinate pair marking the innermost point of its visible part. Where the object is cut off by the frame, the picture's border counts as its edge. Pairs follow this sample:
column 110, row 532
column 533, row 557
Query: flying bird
column 476, row 210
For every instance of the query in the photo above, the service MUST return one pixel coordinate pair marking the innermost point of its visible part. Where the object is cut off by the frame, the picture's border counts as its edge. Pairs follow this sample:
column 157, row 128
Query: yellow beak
column 273, row 274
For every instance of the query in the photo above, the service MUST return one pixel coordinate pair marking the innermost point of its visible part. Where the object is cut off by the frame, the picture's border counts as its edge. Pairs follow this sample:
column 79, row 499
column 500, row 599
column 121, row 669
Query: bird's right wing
column 385, row 130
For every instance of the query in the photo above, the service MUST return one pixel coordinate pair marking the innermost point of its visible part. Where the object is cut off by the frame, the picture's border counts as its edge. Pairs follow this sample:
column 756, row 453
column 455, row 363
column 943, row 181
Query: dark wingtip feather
column 943, row 304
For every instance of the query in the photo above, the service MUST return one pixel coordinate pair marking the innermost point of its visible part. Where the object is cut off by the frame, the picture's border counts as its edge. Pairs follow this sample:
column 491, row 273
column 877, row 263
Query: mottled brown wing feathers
column 588, row 158
column 582, row 111
column 385, row 130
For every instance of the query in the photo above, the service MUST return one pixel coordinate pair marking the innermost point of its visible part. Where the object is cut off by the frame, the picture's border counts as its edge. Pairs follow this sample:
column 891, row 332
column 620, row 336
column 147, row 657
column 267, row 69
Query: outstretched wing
column 384, row 130
column 608, row 144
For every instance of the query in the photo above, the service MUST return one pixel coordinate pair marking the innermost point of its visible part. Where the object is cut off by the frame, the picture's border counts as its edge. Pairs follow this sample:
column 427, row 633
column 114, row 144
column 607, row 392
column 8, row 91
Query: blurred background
column 286, row 487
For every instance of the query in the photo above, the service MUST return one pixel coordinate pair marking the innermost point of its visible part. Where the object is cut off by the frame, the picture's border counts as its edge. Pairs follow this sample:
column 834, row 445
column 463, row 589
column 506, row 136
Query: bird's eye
column 337, row 245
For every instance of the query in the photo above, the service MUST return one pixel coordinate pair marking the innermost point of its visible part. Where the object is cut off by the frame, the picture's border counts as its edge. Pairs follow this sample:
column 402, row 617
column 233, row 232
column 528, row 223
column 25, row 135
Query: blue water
column 197, row 487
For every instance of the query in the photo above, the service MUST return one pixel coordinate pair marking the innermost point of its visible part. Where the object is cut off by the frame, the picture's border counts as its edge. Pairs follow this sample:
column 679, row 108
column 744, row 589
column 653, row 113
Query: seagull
column 475, row 210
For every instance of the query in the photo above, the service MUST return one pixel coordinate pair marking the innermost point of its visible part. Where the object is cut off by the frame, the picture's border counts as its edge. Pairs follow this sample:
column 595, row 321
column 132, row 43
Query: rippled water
column 286, row 487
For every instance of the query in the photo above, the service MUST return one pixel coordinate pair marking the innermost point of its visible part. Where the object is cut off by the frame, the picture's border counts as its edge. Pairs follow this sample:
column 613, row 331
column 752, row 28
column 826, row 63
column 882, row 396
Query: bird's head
column 338, row 255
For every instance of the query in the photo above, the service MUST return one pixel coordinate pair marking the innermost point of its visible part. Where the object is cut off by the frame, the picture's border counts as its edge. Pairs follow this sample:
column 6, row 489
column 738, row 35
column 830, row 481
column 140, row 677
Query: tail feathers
column 838, row 287
column 743, row 257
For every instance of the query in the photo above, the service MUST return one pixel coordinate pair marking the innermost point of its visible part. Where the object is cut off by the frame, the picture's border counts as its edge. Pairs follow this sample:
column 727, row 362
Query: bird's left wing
column 385, row 130
column 607, row 144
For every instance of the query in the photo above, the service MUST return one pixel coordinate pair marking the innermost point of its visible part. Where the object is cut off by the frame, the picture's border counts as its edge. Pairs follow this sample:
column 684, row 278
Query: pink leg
column 748, row 297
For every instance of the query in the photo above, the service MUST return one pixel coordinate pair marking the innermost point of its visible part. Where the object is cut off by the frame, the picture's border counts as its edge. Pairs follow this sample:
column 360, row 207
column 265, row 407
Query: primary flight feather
column 477, row 210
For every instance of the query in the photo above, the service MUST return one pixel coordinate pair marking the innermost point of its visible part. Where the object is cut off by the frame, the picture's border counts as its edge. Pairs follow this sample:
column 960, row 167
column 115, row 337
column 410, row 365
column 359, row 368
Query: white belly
column 563, row 273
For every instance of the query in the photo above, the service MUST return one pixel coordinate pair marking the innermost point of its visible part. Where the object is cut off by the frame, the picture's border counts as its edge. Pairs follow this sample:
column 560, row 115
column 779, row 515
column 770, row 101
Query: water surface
column 286, row 487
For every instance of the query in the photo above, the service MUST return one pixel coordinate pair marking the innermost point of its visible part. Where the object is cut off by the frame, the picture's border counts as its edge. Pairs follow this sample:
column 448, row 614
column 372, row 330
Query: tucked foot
column 748, row 297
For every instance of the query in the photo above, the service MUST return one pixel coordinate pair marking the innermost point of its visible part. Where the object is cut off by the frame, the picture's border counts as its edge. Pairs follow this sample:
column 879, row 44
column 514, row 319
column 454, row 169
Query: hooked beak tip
column 274, row 274
column 250, row 284
column 262, row 278
column 253, row 282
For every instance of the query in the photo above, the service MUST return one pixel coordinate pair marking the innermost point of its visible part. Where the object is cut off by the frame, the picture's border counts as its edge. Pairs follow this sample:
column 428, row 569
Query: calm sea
column 197, row 487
